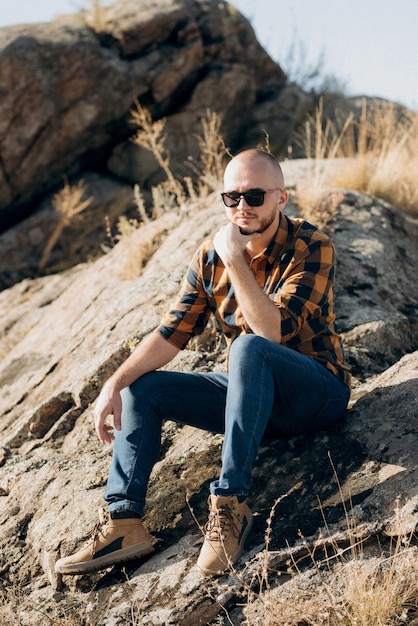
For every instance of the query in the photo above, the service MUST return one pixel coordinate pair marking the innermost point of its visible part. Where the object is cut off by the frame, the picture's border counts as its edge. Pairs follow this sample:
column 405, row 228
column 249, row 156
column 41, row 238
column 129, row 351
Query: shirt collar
column 277, row 243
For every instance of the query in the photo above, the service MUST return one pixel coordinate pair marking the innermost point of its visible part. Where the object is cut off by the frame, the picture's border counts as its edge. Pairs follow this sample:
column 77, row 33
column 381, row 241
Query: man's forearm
column 260, row 313
column 151, row 354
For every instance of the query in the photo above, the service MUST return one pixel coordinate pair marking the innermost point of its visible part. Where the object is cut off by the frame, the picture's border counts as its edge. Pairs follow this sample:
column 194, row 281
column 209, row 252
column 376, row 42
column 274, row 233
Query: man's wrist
column 113, row 385
column 235, row 260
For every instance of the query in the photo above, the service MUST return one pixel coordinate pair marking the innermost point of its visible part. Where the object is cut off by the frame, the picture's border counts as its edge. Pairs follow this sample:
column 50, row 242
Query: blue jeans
column 270, row 391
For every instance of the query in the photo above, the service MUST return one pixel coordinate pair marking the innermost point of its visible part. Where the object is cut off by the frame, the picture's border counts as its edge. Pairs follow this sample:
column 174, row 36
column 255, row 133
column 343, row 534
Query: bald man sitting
column 268, row 280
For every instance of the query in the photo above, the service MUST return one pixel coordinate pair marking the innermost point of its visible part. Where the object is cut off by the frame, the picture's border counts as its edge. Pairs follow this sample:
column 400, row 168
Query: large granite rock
column 67, row 89
column 62, row 335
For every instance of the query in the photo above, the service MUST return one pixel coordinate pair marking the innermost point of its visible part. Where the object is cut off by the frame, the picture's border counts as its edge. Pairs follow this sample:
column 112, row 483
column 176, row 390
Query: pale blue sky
column 370, row 45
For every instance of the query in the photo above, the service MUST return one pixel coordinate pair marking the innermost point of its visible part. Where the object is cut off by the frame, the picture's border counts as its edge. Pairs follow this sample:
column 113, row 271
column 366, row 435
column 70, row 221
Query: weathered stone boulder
column 62, row 335
column 376, row 291
column 67, row 89
column 62, row 94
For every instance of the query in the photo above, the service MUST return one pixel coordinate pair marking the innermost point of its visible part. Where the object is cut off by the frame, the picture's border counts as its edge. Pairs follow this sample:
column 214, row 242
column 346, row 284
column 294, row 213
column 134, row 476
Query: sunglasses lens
column 231, row 199
column 254, row 197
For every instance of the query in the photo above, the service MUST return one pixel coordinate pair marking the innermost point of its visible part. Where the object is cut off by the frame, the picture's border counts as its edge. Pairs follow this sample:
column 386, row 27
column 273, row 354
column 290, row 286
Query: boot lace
column 104, row 518
column 220, row 523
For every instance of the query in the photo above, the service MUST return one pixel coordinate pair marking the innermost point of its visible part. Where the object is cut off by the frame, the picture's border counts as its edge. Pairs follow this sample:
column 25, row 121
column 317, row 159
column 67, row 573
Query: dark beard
column 264, row 226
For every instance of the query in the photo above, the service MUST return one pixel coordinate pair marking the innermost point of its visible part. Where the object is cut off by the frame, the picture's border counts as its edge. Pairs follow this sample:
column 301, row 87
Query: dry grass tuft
column 150, row 136
column 17, row 609
column 374, row 591
column 138, row 243
column 173, row 196
column 96, row 17
column 68, row 203
column 172, row 192
column 212, row 152
column 343, row 579
column 378, row 152
column 168, row 198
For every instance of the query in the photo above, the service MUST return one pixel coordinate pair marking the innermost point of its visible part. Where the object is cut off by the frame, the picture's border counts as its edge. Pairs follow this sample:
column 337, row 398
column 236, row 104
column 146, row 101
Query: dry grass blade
column 150, row 136
column 212, row 149
column 140, row 204
column 68, row 203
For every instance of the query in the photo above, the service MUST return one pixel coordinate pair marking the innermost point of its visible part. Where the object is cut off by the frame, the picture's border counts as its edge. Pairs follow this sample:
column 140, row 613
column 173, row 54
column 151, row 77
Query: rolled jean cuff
column 118, row 506
column 215, row 490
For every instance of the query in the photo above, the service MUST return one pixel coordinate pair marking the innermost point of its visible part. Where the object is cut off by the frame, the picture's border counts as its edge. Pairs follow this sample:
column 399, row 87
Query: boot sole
column 233, row 559
column 131, row 553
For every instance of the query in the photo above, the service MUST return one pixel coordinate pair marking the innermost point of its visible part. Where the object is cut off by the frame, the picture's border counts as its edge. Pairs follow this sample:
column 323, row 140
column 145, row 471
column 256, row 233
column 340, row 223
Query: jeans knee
column 139, row 393
column 247, row 346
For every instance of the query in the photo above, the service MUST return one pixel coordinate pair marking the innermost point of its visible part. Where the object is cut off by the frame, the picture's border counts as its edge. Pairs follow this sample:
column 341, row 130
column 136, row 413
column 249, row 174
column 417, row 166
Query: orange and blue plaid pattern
column 296, row 271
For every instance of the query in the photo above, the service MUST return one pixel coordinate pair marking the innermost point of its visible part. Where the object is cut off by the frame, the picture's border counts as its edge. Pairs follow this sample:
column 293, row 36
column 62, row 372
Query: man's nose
column 243, row 201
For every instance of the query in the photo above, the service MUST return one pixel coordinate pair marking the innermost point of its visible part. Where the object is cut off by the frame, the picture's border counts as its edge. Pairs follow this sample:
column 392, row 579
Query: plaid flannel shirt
column 296, row 271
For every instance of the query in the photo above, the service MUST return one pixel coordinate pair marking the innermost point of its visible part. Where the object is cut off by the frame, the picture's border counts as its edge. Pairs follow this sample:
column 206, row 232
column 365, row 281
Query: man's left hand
column 230, row 243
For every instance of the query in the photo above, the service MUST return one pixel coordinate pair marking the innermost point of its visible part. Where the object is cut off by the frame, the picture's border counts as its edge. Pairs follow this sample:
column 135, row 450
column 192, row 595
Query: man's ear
column 284, row 197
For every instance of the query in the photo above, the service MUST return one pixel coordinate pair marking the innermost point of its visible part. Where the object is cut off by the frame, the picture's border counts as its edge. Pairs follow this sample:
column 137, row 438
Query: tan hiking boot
column 114, row 541
column 228, row 525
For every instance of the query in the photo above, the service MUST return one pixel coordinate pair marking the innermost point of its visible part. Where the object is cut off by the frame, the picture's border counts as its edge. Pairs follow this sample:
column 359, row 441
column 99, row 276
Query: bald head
column 257, row 160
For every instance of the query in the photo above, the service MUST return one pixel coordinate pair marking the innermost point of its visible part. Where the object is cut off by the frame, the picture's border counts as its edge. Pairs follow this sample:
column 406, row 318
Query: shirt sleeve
column 189, row 315
column 304, row 293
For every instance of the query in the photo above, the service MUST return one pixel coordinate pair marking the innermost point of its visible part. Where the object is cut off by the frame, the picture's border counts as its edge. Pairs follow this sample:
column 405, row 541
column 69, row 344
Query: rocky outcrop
column 62, row 335
column 376, row 295
column 67, row 89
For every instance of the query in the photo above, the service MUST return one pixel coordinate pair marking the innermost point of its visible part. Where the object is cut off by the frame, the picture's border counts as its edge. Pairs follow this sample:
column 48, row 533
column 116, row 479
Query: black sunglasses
column 253, row 197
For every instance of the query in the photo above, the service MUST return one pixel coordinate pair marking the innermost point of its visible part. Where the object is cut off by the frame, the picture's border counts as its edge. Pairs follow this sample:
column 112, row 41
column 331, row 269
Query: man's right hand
column 107, row 413
column 151, row 354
